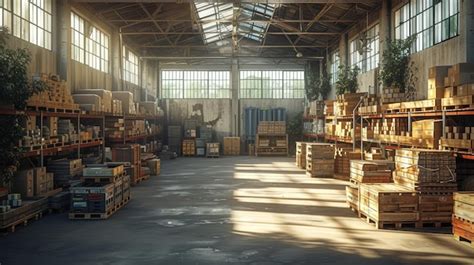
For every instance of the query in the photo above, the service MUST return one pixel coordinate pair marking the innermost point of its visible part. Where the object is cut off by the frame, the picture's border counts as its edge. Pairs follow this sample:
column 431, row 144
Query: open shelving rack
column 99, row 118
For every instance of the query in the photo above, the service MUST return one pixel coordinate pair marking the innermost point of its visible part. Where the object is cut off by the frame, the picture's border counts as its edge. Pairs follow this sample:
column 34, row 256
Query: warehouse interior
column 241, row 132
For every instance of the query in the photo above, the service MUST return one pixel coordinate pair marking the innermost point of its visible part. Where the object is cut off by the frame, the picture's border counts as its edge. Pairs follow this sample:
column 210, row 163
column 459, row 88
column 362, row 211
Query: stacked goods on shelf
column 34, row 182
column 392, row 95
column 316, row 108
column 271, row 138
column 90, row 132
column 17, row 211
column 190, row 128
column 319, row 160
column 129, row 153
column 329, row 107
column 301, row 155
column 128, row 105
column 342, row 158
column 212, row 150
column 117, row 106
column 459, row 87
column 134, row 127
column 174, row 138
column 463, row 217
column 370, row 105
column 155, row 166
column 189, row 147
column 88, row 102
column 375, row 171
column 367, row 133
column 114, row 128
column 342, row 130
column 373, row 154
column 105, row 99
column 347, row 103
column 232, row 146
column 426, row 133
column 149, row 108
column 67, row 132
column 431, row 173
column 388, row 204
column 458, row 138
column 105, row 190
column 65, row 171
column 57, row 97
column 32, row 134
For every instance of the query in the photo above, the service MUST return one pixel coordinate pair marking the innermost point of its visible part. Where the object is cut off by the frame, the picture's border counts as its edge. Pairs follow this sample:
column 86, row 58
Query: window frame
column 195, row 84
column 131, row 66
column 277, row 88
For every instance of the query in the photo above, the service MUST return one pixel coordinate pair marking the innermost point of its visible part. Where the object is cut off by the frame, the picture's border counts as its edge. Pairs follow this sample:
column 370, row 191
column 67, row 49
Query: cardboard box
column 24, row 183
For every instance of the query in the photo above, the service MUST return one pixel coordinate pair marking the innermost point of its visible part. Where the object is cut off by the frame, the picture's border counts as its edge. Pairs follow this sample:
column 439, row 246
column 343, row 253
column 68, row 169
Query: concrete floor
column 233, row 210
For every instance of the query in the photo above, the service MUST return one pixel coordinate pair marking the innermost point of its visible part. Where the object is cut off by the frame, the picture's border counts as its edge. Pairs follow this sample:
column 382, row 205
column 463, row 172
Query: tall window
column 365, row 54
column 272, row 84
column 195, row 84
column 29, row 20
column 89, row 45
column 130, row 66
column 334, row 67
column 430, row 21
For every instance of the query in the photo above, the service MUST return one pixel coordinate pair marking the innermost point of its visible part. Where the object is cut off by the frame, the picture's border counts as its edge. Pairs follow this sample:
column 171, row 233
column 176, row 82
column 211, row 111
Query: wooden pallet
column 403, row 224
column 23, row 221
column 99, row 216
column 212, row 156
column 461, row 102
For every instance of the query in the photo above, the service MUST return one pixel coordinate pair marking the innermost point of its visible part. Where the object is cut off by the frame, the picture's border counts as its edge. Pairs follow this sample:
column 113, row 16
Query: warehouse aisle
column 234, row 210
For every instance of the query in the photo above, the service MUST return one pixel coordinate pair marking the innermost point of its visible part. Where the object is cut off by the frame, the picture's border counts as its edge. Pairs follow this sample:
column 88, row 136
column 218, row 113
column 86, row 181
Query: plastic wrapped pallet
column 105, row 95
column 88, row 100
column 128, row 105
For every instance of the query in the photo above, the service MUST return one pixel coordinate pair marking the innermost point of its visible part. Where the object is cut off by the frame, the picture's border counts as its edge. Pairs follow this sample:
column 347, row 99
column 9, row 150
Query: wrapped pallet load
column 128, row 105
column 105, row 95
column 88, row 102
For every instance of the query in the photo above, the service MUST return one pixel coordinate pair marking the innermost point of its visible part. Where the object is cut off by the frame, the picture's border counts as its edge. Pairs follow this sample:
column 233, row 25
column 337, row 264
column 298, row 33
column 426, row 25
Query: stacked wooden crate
column 134, row 127
column 375, row 171
column 105, row 190
column 301, row 155
column 458, row 138
column 212, row 150
column 272, row 127
column 459, row 87
column 271, row 138
column 34, row 182
column 155, row 166
column 346, row 104
column 129, row 153
column 105, row 102
column 319, row 160
column 232, row 146
column 57, row 97
column 463, row 217
column 114, row 128
column 189, row 147
column 342, row 165
column 370, row 105
column 432, row 174
column 65, row 171
column 373, row 154
column 427, row 133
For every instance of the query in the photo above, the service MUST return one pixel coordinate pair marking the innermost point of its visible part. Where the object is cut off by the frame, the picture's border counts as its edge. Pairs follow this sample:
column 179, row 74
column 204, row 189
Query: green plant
column 396, row 68
column 317, row 86
column 347, row 80
column 15, row 89
column 295, row 129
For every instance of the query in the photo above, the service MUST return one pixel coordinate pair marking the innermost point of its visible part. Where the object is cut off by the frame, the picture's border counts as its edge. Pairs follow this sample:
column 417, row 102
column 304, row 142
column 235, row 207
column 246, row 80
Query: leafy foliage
column 15, row 89
column 295, row 129
column 397, row 70
column 347, row 80
column 316, row 86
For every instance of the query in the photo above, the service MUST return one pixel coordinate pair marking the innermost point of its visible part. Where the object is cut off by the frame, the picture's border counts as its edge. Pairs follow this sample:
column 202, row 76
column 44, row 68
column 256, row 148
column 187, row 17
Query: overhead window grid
column 334, row 68
column 130, row 66
column 272, row 84
column 30, row 20
column 179, row 84
column 431, row 21
column 369, row 58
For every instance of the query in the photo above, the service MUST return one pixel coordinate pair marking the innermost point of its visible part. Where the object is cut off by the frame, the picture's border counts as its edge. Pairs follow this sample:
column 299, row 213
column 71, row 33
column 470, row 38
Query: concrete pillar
column 385, row 33
column 116, row 61
column 344, row 50
column 235, row 112
column 467, row 15
column 62, row 37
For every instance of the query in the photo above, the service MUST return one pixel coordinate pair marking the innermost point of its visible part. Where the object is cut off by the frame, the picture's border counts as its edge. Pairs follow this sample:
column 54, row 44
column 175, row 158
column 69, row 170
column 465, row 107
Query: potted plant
column 347, row 80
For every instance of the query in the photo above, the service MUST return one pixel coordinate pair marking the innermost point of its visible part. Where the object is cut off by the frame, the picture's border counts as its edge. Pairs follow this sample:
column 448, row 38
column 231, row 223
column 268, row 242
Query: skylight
column 217, row 20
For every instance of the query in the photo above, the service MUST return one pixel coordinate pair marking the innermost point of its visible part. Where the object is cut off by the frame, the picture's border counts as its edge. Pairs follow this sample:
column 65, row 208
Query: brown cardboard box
column 462, row 73
column 436, row 76
column 450, row 92
column 23, row 183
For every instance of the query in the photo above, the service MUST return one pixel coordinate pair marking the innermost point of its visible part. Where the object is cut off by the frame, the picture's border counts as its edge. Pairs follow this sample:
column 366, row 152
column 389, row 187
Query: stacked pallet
column 65, row 171
column 319, row 160
column 370, row 105
column 134, row 128
column 375, row 171
column 128, row 105
column 212, row 150
column 57, row 97
column 232, row 146
column 17, row 211
column 373, row 154
column 463, row 217
column 346, row 104
column 426, row 133
column 301, row 155
column 459, row 87
column 271, row 128
column 458, row 138
column 392, row 95
column 105, row 102
column 129, row 153
column 271, row 145
column 114, row 128
column 105, row 190
column 189, row 147
column 343, row 130
column 155, row 166
column 342, row 164
column 432, row 174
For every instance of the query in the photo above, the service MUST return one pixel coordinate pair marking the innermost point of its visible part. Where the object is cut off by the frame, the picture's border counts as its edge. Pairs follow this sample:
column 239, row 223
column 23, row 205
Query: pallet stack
column 129, row 153
column 212, row 150
column 432, row 174
column 271, row 139
column 319, row 160
column 155, row 166
column 427, row 133
column 33, row 183
column 342, row 165
column 128, row 105
column 346, row 104
column 329, row 107
column 375, row 171
column 17, row 211
column 65, row 171
column 57, row 97
column 463, row 217
column 301, row 155
column 458, row 138
column 459, row 86
column 374, row 154
column 189, row 147
column 232, row 146
column 392, row 95
column 370, row 105
column 105, row 190
column 114, row 128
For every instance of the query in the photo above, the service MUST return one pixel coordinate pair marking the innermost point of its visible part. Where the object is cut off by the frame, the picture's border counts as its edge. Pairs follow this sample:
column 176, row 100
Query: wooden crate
column 319, row 160
column 371, row 171
column 301, row 155
column 352, row 197
column 271, row 145
column 231, row 145
column 212, row 150
column 189, row 147
column 342, row 165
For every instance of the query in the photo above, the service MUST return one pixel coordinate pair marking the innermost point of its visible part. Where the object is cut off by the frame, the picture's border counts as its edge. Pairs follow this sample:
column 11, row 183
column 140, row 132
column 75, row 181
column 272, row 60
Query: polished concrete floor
column 233, row 210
